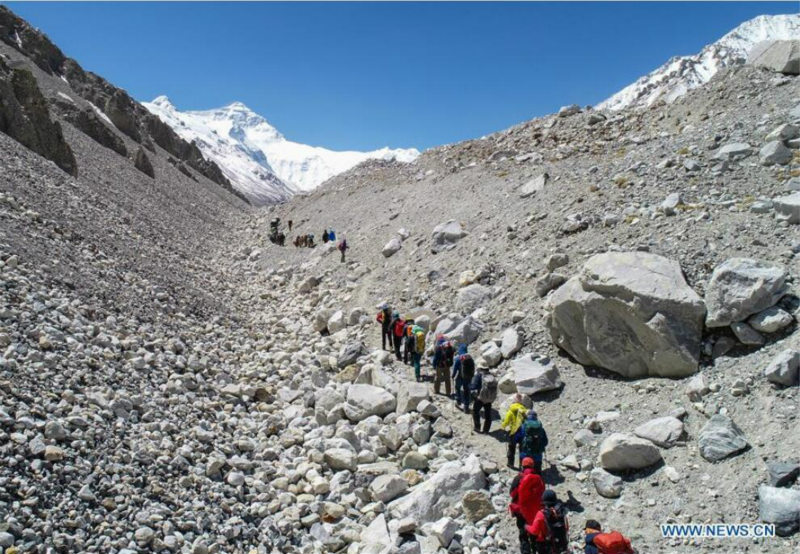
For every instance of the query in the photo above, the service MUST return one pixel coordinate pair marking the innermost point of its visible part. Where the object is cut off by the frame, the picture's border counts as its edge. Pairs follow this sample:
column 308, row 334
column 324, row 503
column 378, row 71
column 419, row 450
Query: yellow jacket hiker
column 512, row 421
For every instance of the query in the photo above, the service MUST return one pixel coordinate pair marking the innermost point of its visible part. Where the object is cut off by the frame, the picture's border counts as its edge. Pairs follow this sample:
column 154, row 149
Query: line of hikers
column 451, row 368
column 541, row 518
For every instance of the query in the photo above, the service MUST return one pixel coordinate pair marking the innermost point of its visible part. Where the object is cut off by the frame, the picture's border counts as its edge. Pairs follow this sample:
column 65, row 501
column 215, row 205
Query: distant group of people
column 276, row 236
column 542, row 519
column 304, row 241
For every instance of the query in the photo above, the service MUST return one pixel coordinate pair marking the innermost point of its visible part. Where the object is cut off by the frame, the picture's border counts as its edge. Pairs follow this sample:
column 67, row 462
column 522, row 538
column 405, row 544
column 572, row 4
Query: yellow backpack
column 420, row 342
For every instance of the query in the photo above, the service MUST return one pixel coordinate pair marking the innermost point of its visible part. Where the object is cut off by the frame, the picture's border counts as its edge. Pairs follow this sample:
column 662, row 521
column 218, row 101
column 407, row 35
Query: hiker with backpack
column 325, row 236
column 440, row 367
column 533, row 440
column 343, row 248
column 549, row 531
column 332, row 236
column 512, row 423
column 484, row 392
column 418, row 350
column 409, row 342
column 463, row 372
column 398, row 324
column 597, row 542
column 526, row 498
column 384, row 317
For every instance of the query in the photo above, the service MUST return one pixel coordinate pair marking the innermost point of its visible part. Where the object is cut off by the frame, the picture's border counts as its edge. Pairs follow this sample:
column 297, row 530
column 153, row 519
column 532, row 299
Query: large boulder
column 741, row 287
column 409, row 396
column 533, row 186
column 445, row 235
column 631, row 313
column 328, row 406
column 784, row 369
column 787, row 208
column 465, row 332
column 429, row 500
column 477, row 505
column 491, row 354
column 367, row 400
column 770, row 320
column 320, row 320
column 720, row 438
column 385, row 488
column 336, row 322
column 780, row 507
column 375, row 538
column 339, row 459
column 775, row 153
column 532, row 376
column 550, row 281
column 309, row 283
column 391, row 248
column 349, row 353
column 512, row 342
column 472, row 297
column 782, row 56
column 734, row 151
column 621, row 452
column 662, row 431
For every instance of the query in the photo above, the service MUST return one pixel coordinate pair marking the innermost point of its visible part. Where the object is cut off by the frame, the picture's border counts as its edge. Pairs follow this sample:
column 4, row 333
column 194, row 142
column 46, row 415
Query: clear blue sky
column 366, row 75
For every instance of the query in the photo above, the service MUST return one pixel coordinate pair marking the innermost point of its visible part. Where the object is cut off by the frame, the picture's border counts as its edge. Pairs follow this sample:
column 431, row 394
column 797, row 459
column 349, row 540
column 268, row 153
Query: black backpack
column 467, row 368
column 557, row 528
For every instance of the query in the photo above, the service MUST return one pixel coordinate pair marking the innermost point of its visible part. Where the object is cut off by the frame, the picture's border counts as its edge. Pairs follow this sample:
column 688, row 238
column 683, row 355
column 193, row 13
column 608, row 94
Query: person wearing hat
column 592, row 529
column 526, row 494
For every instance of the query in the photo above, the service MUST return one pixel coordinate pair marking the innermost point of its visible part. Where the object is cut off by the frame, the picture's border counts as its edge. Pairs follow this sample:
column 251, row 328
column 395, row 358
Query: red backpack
column 612, row 543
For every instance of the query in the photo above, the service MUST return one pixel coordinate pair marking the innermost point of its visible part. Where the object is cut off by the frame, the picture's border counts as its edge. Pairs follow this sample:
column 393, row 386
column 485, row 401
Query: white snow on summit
column 683, row 73
column 259, row 160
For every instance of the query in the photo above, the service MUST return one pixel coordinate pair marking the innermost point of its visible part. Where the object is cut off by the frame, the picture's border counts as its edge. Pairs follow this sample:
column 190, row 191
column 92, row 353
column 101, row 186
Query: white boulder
column 366, row 400
column 631, row 313
column 741, row 287
column 622, row 451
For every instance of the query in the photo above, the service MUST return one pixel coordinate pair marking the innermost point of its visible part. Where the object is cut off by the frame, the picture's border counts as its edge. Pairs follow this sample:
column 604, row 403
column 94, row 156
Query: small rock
column 607, row 484
column 720, row 438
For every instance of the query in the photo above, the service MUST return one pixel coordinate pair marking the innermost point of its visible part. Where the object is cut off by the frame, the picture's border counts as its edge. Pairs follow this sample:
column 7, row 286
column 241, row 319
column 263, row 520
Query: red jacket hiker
column 526, row 499
column 399, row 327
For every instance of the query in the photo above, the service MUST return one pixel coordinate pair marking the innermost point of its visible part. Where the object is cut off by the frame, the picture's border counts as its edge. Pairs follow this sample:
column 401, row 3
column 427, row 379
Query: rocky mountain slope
column 88, row 102
column 170, row 381
column 683, row 73
column 259, row 160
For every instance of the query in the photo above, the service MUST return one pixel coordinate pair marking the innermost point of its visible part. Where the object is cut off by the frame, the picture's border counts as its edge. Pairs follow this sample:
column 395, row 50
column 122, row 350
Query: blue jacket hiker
column 463, row 372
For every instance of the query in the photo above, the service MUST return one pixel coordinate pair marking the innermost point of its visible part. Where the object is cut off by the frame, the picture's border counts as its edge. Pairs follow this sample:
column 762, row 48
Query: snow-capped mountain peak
column 255, row 156
column 163, row 103
column 683, row 73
